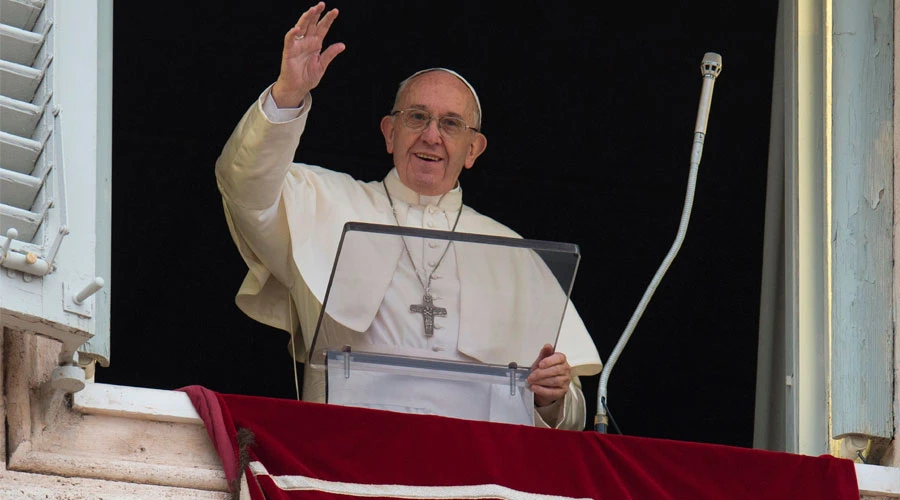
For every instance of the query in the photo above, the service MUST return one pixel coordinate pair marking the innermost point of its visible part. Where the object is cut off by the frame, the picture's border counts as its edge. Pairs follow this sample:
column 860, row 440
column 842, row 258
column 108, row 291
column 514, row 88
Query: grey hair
column 406, row 82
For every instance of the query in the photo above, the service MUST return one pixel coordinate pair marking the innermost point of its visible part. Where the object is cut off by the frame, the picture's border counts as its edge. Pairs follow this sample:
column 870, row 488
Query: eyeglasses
column 417, row 119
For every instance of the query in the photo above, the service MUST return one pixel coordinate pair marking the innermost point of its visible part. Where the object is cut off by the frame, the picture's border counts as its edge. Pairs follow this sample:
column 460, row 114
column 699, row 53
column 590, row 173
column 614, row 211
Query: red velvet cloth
column 339, row 451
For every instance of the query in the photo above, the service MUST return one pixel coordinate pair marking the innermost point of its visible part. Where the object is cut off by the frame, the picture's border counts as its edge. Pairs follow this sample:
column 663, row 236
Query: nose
column 432, row 133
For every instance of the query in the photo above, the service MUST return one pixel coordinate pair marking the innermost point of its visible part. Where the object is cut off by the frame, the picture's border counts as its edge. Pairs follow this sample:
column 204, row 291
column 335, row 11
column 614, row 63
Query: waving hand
column 303, row 62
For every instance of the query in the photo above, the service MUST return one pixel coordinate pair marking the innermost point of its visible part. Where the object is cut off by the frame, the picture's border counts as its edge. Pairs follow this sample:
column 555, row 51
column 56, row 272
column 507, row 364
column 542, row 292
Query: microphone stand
column 710, row 67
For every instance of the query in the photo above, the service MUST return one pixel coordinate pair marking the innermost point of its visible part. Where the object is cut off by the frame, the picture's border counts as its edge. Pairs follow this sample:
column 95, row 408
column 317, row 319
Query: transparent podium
column 439, row 322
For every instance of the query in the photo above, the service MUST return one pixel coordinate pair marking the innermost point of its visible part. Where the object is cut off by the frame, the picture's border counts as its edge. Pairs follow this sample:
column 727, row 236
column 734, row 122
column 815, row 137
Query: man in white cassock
column 287, row 220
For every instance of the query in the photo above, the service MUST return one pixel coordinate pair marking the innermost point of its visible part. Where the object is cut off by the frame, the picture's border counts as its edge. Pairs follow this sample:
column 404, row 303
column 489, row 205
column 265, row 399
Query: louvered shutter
column 55, row 151
column 26, row 149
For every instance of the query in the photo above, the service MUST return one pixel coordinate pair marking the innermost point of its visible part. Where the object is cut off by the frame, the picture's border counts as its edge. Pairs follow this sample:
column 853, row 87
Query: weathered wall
column 53, row 452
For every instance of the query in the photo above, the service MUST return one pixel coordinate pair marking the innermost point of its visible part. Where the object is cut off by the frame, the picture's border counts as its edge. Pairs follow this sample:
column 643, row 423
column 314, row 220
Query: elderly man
column 287, row 218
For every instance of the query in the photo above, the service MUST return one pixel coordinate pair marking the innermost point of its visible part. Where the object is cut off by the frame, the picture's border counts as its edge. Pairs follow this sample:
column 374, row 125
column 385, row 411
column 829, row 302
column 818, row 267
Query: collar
column 449, row 201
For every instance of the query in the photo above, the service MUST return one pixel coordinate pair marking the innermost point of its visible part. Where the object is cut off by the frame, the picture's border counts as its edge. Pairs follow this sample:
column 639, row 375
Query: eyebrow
column 423, row 108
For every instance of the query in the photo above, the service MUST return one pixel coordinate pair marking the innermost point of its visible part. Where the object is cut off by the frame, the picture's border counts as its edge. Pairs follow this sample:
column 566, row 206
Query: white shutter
column 26, row 153
column 55, row 150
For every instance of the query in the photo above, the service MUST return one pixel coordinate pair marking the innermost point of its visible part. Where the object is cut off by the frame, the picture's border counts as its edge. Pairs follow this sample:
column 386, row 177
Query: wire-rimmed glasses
column 417, row 119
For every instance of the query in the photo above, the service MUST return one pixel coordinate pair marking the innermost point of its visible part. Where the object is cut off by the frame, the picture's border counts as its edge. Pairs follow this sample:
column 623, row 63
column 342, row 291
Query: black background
column 589, row 113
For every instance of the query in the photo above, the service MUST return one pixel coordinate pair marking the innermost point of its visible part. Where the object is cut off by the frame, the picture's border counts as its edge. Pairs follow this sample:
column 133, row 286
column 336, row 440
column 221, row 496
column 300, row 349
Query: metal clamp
column 346, row 351
column 513, row 369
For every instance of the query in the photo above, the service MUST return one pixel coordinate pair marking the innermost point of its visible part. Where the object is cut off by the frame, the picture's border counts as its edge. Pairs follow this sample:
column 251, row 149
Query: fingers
column 308, row 18
column 553, row 382
column 555, row 376
column 310, row 24
column 546, row 390
column 546, row 351
column 550, row 376
column 330, row 53
column 553, row 370
column 291, row 36
column 324, row 24
column 554, row 359
column 309, row 33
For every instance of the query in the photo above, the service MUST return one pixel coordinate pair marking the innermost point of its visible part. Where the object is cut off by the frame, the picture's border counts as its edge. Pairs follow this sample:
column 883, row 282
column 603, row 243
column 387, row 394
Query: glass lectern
column 440, row 322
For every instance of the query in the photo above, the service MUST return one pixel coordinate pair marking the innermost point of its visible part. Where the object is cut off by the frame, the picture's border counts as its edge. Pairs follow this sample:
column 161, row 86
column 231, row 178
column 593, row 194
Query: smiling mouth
column 427, row 157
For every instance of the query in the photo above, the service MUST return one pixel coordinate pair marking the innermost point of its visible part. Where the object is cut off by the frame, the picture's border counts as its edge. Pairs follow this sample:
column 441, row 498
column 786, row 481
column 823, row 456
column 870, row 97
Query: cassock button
column 432, row 264
column 430, row 224
column 432, row 244
column 437, row 348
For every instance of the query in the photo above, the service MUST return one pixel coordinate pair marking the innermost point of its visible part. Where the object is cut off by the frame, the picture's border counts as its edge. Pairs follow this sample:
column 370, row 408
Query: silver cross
column 428, row 311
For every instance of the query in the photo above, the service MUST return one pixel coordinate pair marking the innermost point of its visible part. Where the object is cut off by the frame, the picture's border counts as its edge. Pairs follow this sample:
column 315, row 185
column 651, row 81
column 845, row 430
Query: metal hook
column 11, row 234
column 92, row 288
column 63, row 231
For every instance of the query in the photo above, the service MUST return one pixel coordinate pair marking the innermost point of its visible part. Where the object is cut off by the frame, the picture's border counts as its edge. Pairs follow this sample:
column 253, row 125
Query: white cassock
column 287, row 221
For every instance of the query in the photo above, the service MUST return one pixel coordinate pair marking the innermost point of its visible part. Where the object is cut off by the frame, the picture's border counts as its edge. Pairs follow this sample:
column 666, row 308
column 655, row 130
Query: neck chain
column 427, row 308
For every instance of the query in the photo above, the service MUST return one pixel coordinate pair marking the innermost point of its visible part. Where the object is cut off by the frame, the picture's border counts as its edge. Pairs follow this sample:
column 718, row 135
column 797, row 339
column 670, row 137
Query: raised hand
column 303, row 62
column 550, row 376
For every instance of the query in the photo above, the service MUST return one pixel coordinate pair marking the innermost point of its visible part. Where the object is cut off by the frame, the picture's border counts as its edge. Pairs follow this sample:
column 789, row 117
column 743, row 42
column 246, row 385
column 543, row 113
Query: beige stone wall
column 50, row 451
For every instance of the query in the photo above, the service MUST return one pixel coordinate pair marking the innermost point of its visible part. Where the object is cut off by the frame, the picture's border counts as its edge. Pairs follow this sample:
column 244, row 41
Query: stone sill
column 878, row 481
column 136, row 403
column 142, row 437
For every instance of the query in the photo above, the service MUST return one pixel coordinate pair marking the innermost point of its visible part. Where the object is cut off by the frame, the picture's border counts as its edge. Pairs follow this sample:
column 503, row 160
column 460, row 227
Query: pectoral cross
column 428, row 311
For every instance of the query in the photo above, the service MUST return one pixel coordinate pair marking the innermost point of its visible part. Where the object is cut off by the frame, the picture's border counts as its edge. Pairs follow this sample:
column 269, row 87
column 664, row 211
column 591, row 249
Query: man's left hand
column 550, row 376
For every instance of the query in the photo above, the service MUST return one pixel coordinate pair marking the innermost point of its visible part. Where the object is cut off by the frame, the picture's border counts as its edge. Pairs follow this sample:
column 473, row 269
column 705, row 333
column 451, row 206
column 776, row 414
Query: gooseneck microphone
column 710, row 67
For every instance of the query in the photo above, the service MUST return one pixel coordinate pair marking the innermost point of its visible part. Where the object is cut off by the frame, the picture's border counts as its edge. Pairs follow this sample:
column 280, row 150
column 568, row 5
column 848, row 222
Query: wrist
column 285, row 98
column 543, row 402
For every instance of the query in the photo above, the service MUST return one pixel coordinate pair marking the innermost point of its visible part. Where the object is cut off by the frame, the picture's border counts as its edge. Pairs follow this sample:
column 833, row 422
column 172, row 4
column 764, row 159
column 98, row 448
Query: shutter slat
column 19, row 117
column 18, row 153
column 26, row 222
column 19, row 190
column 19, row 46
column 19, row 81
column 20, row 13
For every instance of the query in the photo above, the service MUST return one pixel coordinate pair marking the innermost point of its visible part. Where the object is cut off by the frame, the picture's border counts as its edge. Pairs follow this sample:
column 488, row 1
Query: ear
column 478, row 145
column 387, row 129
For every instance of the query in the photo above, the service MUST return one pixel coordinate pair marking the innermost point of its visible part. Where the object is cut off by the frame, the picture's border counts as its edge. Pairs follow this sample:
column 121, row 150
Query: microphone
column 710, row 68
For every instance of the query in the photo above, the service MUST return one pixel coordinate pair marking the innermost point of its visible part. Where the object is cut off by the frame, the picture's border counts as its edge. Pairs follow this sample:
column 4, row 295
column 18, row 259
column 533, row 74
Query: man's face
column 429, row 161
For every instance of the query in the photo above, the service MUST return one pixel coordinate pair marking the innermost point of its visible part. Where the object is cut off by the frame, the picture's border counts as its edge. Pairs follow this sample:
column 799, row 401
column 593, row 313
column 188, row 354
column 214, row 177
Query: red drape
column 309, row 450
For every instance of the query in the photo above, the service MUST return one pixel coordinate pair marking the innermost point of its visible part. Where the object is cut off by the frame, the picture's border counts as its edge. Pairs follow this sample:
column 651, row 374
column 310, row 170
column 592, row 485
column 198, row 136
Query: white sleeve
column 276, row 114
column 567, row 413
